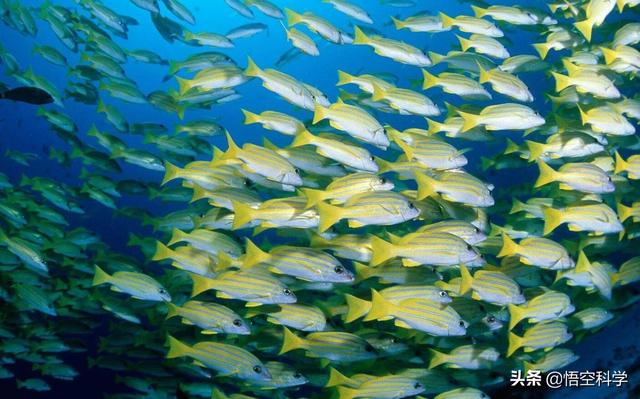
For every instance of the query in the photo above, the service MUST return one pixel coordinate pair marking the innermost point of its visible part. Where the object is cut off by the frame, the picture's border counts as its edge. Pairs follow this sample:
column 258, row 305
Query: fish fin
column 470, row 121
column 397, row 323
column 436, row 58
column 252, row 69
column 344, row 78
column 162, row 252
column 337, row 378
column 253, row 255
column 176, row 348
column 515, row 342
column 346, row 392
column 582, row 265
column 562, row 81
column 542, row 49
column 170, row 172
column 535, row 150
column 516, row 314
column 232, row 148
column 363, row 271
column 585, row 27
column 509, row 247
column 100, row 276
column 380, row 307
column 484, row 76
column 293, row 17
column 208, row 332
column 329, row 215
column 184, row 85
column 290, row 342
column 200, row 284
column 465, row 44
column 410, row 263
column 381, row 251
column 250, row 117
column 610, row 55
column 357, row 308
column 437, row 358
column 621, row 164
column 624, row 212
column 447, row 21
column 319, row 113
column 252, row 304
column 378, row 93
column 354, row 224
column 223, row 295
column 547, row 174
column 398, row 23
column 243, row 214
column 303, row 138
column 428, row 80
column 359, row 36
column 314, row 197
column 434, row 127
column 552, row 219
column 172, row 310
column 479, row 12
column 426, row 186
column 408, row 151
column 466, row 281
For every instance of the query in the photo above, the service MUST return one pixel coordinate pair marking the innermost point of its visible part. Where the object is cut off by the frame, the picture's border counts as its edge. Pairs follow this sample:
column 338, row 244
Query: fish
column 29, row 95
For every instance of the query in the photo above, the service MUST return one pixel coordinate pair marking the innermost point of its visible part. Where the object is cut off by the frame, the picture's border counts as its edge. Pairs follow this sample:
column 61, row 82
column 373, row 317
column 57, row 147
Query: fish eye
column 296, row 170
column 383, row 180
column 411, row 206
column 162, row 291
column 338, row 269
column 461, row 323
column 257, row 369
column 608, row 178
column 368, row 348
column 491, row 319
column 297, row 376
column 477, row 230
column 287, row 291
column 469, row 247
column 417, row 385
column 246, row 182
column 372, row 158
column 237, row 322
column 394, row 340
column 443, row 294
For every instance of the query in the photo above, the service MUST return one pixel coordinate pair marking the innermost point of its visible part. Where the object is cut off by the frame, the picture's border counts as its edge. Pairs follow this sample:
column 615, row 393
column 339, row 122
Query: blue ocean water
column 22, row 130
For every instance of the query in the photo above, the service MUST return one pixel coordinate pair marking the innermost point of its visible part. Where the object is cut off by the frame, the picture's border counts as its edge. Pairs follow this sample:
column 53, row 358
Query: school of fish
column 398, row 270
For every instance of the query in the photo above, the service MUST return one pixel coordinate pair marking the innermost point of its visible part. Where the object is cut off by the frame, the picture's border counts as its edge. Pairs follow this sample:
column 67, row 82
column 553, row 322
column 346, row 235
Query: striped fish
column 545, row 335
column 227, row 360
column 299, row 317
column 222, row 197
column 364, row 82
column 509, row 116
column 456, row 84
column 506, row 83
column 631, row 165
column 405, row 101
column 218, row 77
column 282, row 376
column 442, row 249
column 491, row 286
column 187, row 258
column 253, row 288
column 340, row 347
column 590, row 318
column 386, row 387
column 431, row 152
column 211, row 317
column 276, row 121
column 379, row 207
column 138, row 285
column 471, row 357
column 202, row 174
column 589, row 216
column 304, row 263
column 209, row 241
column 419, row 314
column 581, row 176
column 459, row 187
column 354, row 121
column 556, row 359
column 334, row 147
column 536, row 251
column 628, row 272
column 343, row 188
column 549, row 305
column 276, row 212
column 398, row 51
column 462, row 393
column 349, row 246
column 465, row 230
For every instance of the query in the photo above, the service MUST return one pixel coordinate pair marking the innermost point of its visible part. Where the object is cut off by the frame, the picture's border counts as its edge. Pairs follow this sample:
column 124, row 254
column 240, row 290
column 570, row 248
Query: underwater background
column 111, row 344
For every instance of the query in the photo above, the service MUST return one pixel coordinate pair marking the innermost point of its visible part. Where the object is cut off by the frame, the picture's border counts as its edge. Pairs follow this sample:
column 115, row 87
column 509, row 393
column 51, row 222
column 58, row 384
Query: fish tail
column 433, row 127
column 582, row 265
column 610, row 55
column 170, row 172
column 465, row 44
column 183, row 85
column 380, row 307
column 290, row 342
column 447, row 21
column 562, row 81
column 547, row 174
column 176, row 236
column 437, row 358
column 467, row 280
column 552, row 219
column 381, row 251
column 329, row 215
column 624, row 212
column 102, row 107
column 512, row 147
column 174, row 66
column 426, row 186
column 436, row 58
column 337, row 378
column 252, row 69
column 253, row 255
column 224, row 262
column 198, row 194
column 485, row 75
column 319, row 113
column 615, row 278
column 314, row 197
column 518, row 206
column 408, row 151
column 162, row 251
column 303, row 138
column 360, row 36
column 180, row 110
column 172, row 310
column 470, row 121
column 346, row 392
column 243, row 214
column 486, row 163
column 509, row 247
column 535, row 150
column 344, row 78
column 357, row 308
column 232, row 148
column 515, row 342
column 378, row 93
column 293, row 18
column 428, row 80
column 585, row 27
column 621, row 4
column 100, row 276
column 528, row 366
column 584, row 117
column 542, row 49
column 363, row 271
column 479, row 12
column 250, row 117
column 621, row 164
column 516, row 314
column 398, row 23
column 200, row 284
column 176, row 348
